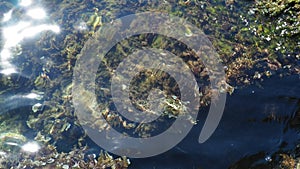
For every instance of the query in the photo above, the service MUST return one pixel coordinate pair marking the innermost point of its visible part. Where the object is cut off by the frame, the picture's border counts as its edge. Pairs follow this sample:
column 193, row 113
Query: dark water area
column 256, row 120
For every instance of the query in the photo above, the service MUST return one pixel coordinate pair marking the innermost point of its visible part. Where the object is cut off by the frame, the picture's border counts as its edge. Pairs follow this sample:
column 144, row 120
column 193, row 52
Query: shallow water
column 259, row 119
column 243, row 131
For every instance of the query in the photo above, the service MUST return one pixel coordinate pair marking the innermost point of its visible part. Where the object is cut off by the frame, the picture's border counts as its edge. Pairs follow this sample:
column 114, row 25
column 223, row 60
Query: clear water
column 259, row 119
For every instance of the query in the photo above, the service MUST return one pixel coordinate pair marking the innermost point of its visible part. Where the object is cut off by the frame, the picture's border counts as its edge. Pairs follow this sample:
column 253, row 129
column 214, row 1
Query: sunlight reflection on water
column 14, row 33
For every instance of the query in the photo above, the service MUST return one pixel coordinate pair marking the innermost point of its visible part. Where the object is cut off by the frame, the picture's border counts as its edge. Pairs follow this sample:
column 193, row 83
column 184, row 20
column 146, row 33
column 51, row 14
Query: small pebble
column 65, row 166
column 50, row 160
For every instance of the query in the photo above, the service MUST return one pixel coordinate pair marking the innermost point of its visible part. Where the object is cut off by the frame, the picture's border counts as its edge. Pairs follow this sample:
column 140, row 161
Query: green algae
column 244, row 41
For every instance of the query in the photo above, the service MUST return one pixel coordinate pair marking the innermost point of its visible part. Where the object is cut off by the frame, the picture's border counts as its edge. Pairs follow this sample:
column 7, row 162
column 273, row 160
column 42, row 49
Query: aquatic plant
column 250, row 46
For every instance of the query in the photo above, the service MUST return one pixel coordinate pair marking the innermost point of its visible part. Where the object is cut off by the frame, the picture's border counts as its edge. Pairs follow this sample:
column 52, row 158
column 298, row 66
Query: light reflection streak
column 31, row 147
column 10, row 102
column 7, row 16
column 33, row 96
column 14, row 34
column 11, row 34
column 34, row 30
column 37, row 13
column 25, row 2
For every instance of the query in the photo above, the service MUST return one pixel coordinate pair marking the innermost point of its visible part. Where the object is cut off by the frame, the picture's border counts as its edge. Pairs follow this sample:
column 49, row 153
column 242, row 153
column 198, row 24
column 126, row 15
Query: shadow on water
column 256, row 119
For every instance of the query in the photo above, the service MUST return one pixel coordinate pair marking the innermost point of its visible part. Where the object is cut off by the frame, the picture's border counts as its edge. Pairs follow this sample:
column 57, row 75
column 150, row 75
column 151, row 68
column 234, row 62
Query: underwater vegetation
column 252, row 45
